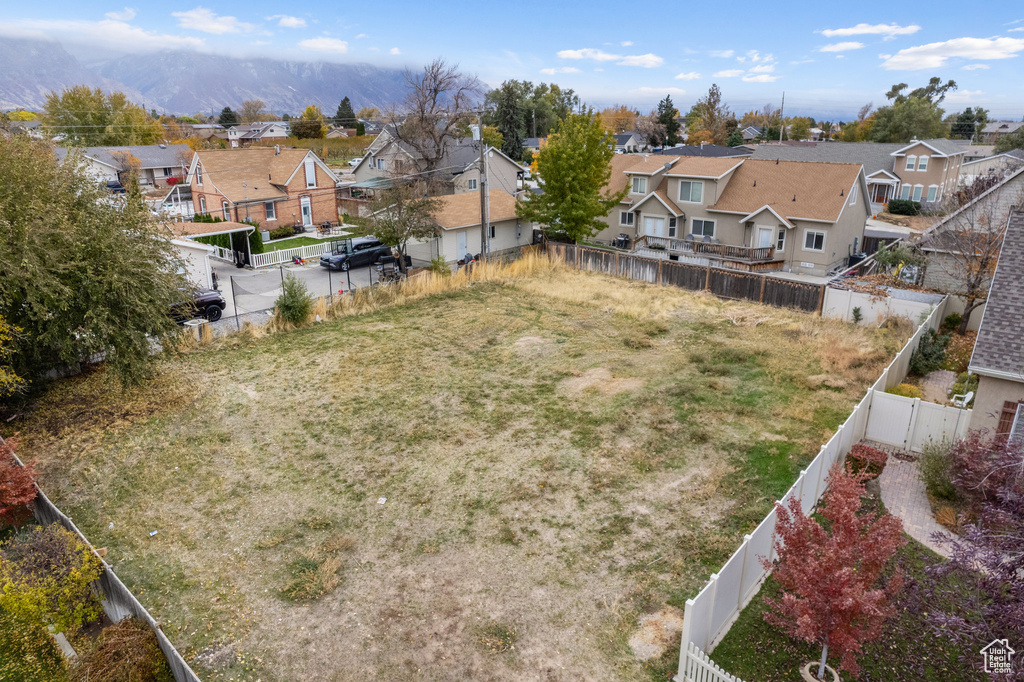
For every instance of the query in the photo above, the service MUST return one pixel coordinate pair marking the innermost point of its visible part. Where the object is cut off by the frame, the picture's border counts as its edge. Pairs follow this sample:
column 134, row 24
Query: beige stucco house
column 929, row 170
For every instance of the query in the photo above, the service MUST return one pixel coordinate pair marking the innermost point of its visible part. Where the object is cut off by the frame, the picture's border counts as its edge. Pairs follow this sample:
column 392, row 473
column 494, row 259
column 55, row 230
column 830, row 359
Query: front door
column 764, row 236
column 654, row 227
column 307, row 211
column 460, row 245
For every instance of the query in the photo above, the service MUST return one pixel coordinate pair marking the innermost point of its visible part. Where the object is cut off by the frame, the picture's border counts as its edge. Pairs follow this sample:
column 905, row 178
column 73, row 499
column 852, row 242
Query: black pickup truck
column 204, row 303
column 353, row 253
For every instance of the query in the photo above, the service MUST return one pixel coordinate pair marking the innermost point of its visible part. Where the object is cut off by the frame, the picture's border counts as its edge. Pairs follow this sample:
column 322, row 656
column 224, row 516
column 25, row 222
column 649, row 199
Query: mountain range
column 182, row 82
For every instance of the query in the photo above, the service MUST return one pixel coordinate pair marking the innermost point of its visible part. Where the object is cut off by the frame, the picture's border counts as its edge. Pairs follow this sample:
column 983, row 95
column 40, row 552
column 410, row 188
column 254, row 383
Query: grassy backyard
column 494, row 483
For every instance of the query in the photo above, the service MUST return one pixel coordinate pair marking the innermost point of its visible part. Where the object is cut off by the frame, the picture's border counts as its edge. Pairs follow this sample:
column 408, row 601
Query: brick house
column 270, row 185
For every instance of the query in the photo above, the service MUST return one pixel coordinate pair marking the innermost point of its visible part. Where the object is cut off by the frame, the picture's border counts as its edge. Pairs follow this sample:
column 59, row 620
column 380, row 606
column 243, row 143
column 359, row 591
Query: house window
column 202, row 204
column 905, row 192
column 780, row 244
column 168, row 171
column 380, row 164
column 471, row 184
column 911, row 162
column 814, row 241
column 703, row 228
column 671, row 227
column 1011, row 420
column 626, row 218
column 271, row 210
column 199, row 175
column 639, row 185
column 691, row 191
column 853, row 196
column 227, row 211
column 933, row 192
column 490, row 231
column 918, row 189
column 922, row 163
column 310, row 173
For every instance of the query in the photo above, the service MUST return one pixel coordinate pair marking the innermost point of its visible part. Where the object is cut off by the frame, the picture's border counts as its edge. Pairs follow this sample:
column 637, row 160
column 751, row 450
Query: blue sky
column 829, row 58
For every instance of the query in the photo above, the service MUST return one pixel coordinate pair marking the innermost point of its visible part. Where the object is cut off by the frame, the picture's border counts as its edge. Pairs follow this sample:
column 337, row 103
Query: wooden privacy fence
column 708, row 616
column 118, row 601
column 722, row 282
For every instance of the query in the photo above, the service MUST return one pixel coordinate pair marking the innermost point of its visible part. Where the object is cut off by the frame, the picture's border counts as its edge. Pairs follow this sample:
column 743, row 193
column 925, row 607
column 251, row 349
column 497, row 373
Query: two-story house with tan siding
column 929, row 170
column 270, row 185
column 746, row 214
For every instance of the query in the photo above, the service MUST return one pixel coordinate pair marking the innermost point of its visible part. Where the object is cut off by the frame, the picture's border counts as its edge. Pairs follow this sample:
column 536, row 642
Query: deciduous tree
column 87, row 117
column 574, row 170
column 830, row 578
column 403, row 213
column 252, row 110
column 914, row 114
column 367, row 113
column 10, row 383
column 1014, row 140
column 619, row 119
column 17, row 486
column 650, row 129
column 711, row 114
column 309, row 126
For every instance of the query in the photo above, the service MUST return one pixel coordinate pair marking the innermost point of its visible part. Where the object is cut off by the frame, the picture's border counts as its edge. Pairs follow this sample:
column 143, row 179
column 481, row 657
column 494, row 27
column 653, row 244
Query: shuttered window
column 1008, row 418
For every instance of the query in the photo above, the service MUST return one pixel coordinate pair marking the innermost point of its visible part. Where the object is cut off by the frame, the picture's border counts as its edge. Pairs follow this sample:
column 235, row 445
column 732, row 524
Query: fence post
column 707, row 277
column 710, row 636
column 743, row 572
column 616, row 263
column 763, row 280
column 912, row 426
column 821, row 298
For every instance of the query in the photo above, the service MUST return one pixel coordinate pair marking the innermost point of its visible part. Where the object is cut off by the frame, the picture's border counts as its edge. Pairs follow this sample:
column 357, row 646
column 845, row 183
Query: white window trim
column 673, row 227
column 310, row 168
column 910, row 166
column 824, row 237
column 922, row 163
column 917, row 193
column 909, row 191
column 380, row 164
column 632, row 219
column 780, row 240
column 202, row 204
column 714, row 227
column 199, row 175
column 1017, row 427
column 226, row 208
column 633, row 184
column 692, row 182
column 853, row 196
column 271, row 210
column 471, row 184
column 929, row 195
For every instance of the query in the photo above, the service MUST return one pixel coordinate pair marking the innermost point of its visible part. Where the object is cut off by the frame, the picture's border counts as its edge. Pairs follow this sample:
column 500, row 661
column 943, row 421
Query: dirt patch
column 529, row 345
column 600, row 378
column 657, row 632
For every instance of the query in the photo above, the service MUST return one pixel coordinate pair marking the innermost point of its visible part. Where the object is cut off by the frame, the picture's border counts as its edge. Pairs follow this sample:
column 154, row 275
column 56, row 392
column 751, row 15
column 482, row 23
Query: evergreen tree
column 735, row 138
column 668, row 117
column 228, row 118
column 345, row 117
column 510, row 118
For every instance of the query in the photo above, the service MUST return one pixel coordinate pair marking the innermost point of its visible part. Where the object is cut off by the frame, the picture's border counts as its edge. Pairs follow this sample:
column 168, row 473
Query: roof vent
column 667, row 166
column 776, row 162
column 794, row 197
column 755, row 183
column 842, row 192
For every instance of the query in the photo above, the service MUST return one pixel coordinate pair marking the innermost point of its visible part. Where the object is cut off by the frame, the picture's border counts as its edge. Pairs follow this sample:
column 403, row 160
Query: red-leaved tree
column 16, row 487
column 830, row 577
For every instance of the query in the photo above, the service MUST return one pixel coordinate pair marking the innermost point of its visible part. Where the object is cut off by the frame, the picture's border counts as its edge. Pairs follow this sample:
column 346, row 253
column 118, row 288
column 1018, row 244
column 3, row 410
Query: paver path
column 935, row 385
column 903, row 494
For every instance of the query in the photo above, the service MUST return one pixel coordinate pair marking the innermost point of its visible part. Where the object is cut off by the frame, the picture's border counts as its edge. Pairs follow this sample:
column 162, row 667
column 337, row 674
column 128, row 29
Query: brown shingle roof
column 820, row 189
column 663, row 195
column 620, row 164
column 198, row 229
column 262, row 171
column 703, row 166
column 461, row 210
column 649, row 165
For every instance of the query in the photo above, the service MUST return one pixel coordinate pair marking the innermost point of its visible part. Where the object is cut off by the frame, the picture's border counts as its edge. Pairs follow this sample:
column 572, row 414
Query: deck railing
column 692, row 246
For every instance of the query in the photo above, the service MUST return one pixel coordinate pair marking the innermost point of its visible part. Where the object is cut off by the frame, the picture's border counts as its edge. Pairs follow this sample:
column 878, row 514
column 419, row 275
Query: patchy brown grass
column 560, row 454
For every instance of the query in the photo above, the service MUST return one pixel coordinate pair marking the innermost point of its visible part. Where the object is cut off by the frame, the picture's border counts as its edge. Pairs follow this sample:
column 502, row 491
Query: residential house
column 628, row 142
column 335, row 133
column 704, row 150
column 157, row 163
column 245, row 135
column 752, row 134
column 195, row 259
column 33, row 129
column 458, row 217
column 998, row 357
column 994, row 130
column 988, row 166
column 975, row 152
column 207, row 130
column 533, row 144
column 271, row 185
column 742, row 213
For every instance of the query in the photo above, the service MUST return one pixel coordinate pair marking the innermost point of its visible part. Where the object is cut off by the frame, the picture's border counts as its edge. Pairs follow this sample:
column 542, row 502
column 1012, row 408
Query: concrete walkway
column 903, row 494
column 936, row 385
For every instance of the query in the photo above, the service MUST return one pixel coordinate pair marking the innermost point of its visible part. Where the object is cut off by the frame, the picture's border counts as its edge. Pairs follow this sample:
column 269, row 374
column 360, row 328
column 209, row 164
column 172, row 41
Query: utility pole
column 483, row 188
column 782, row 116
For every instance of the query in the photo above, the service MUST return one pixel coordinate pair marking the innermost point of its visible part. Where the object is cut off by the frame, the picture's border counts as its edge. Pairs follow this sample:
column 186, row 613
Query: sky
column 828, row 58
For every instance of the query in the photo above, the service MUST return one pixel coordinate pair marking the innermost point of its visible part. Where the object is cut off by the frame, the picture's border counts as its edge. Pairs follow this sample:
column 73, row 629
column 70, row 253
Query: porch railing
column 748, row 254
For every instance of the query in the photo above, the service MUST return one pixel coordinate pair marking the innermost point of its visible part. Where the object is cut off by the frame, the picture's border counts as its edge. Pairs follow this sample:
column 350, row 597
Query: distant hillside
column 189, row 82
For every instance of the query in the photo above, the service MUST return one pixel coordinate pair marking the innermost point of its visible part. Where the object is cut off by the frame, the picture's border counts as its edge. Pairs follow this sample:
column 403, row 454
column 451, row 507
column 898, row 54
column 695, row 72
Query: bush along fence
column 722, row 282
column 118, row 601
column 708, row 616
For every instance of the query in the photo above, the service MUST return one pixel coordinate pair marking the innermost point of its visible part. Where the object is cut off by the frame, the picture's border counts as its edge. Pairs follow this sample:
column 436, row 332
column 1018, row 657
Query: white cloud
column 724, row 54
column 887, row 30
column 691, row 76
column 626, row 43
column 394, row 50
column 287, row 21
column 361, row 35
column 588, row 53
column 760, row 78
column 763, row 68
column 647, row 61
column 964, row 96
column 1011, row 30
column 842, row 47
column 756, row 56
column 126, row 15
column 975, row 67
column 935, row 55
column 332, row 45
column 207, row 21
column 802, row 61
column 729, row 73
column 560, row 69
column 648, row 92
column 106, row 33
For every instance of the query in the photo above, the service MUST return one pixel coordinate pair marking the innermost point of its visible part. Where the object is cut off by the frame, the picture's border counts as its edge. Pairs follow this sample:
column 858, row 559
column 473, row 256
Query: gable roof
column 941, row 147
column 264, row 171
column 1004, row 127
column 618, row 179
column 794, row 189
column 1011, row 155
column 661, row 195
column 463, row 210
column 999, row 348
column 931, row 239
column 874, row 156
column 644, row 165
column 704, row 167
column 705, row 150
column 766, row 207
column 149, row 155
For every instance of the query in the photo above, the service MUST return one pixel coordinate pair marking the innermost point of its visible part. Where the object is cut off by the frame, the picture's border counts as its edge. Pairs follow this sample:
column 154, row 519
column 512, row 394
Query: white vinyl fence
column 260, row 260
column 709, row 615
column 224, row 254
column 911, row 423
column 840, row 303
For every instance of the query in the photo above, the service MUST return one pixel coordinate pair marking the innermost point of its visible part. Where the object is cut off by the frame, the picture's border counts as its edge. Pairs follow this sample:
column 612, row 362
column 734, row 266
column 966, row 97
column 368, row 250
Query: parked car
column 345, row 254
column 205, row 303
column 115, row 187
column 355, row 162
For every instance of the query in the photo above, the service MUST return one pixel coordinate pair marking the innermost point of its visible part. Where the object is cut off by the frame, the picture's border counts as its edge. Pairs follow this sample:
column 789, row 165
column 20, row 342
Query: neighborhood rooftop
column 461, row 210
column 1000, row 345
column 250, row 174
column 149, row 155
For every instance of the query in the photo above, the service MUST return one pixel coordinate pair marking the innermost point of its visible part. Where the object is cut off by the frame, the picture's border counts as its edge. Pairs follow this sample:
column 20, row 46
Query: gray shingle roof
column 874, row 156
column 1004, row 127
column 1000, row 344
column 149, row 155
column 945, row 146
column 704, row 150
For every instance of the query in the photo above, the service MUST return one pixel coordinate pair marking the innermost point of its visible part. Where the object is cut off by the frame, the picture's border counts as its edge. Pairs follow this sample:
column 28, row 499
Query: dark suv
column 205, row 303
column 352, row 253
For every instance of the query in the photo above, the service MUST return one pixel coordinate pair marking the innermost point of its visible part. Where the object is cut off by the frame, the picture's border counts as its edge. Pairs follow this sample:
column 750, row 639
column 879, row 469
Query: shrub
column 295, row 303
column 857, row 315
column 904, row 207
column 867, row 459
column 958, row 352
column 964, row 384
column 439, row 266
column 44, row 578
column 282, row 232
column 906, row 390
column 17, row 487
column 934, row 467
column 28, row 653
column 952, row 321
column 127, row 651
column 930, row 353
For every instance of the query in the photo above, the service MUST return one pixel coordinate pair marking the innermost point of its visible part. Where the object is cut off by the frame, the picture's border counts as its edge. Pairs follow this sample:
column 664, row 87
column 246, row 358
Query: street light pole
column 483, row 188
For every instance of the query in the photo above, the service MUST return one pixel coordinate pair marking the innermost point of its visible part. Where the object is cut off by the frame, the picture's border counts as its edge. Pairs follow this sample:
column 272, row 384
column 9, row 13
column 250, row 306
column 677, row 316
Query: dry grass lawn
column 500, row 482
